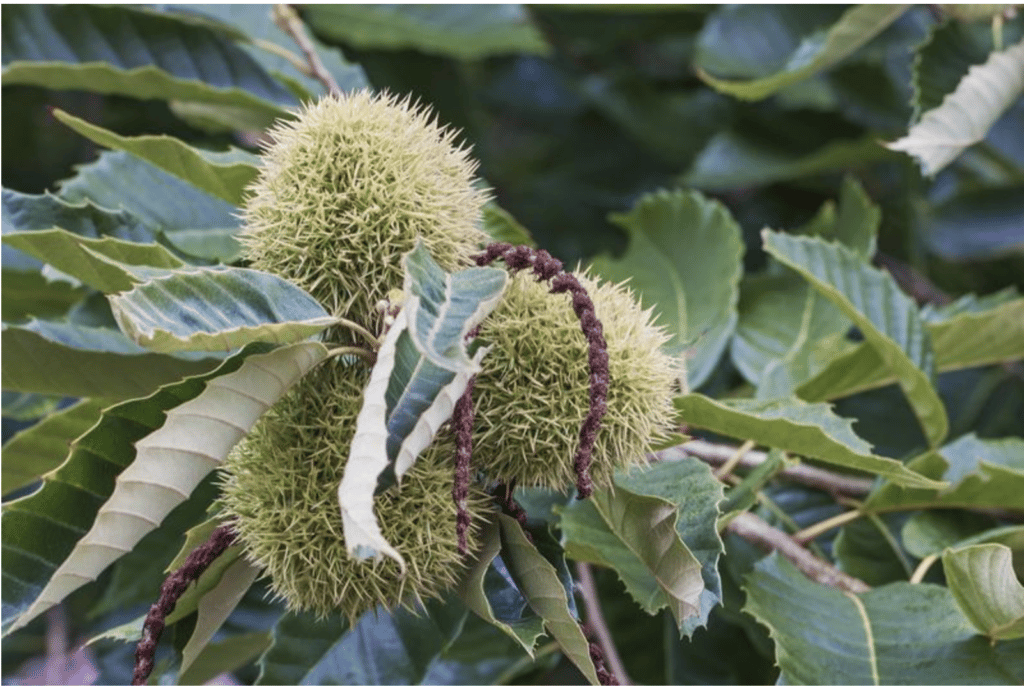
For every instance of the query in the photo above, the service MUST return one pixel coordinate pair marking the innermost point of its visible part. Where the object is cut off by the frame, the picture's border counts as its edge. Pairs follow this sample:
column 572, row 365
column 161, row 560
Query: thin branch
column 596, row 623
column 289, row 21
column 922, row 568
column 819, row 528
column 718, row 454
column 759, row 532
column 733, row 461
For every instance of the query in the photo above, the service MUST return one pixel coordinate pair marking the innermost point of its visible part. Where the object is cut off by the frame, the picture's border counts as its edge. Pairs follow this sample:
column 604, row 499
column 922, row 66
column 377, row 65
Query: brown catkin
column 547, row 268
column 173, row 587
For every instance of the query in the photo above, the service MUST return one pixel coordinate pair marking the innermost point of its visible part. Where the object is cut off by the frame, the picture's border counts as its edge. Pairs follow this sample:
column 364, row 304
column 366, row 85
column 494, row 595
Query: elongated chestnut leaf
column 489, row 592
column 887, row 317
column 180, row 435
column 810, row 430
column 221, row 174
column 216, row 308
column 102, row 263
column 64, row 358
column 538, row 580
column 136, row 53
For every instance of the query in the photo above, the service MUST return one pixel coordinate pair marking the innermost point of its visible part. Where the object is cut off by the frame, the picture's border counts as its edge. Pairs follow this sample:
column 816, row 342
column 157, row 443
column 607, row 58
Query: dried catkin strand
column 462, row 420
column 547, row 268
column 171, row 590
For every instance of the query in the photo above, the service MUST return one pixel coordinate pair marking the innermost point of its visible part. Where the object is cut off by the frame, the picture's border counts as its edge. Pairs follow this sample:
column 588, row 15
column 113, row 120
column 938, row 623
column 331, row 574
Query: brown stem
column 597, row 625
column 288, row 20
column 759, row 532
column 547, row 268
column 173, row 587
column 718, row 454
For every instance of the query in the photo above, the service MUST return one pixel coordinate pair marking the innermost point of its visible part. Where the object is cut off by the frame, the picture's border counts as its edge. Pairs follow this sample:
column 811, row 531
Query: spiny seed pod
column 346, row 189
column 533, row 392
column 280, row 485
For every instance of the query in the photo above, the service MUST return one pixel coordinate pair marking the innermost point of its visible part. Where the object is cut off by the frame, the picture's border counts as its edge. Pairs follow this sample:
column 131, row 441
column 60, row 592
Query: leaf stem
column 731, row 464
column 817, row 529
column 360, row 330
column 366, row 355
column 922, row 568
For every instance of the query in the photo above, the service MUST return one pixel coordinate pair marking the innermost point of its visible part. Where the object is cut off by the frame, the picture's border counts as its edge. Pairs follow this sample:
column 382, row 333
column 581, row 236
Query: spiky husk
column 347, row 188
column 280, row 487
column 533, row 392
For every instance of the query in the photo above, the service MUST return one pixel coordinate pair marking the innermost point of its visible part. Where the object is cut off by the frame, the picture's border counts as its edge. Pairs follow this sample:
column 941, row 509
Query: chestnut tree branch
column 718, row 454
column 596, row 623
column 289, row 21
column 758, row 532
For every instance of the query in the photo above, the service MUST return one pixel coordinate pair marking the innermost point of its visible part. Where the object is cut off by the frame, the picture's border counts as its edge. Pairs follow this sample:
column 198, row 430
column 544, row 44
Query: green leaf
column 257, row 23
column 683, row 491
column 223, row 657
column 652, row 115
column 25, row 212
column 422, row 368
column 979, row 223
column 466, row 32
column 67, row 359
column 887, row 317
column 685, row 260
column 636, row 536
column 139, row 54
column 25, row 407
column 487, row 591
column 782, row 320
column 41, row 530
column 539, row 583
column 193, row 221
column 900, row 633
column 966, row 115
column 962, row 336
column 500, row 225
column 726, row 44
column 216, row 308
column 197, row 435
column 32, row 452
column 982, row 581
column 690, row 485
column 89, row 260
column 30, row 294
column 810, row 430
column 224, row 175
column 743, row 495
column 983, row 473
column 816, row 52
column 929, row 532
column 383, row 648
column 214, row 607
column 732, row 160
